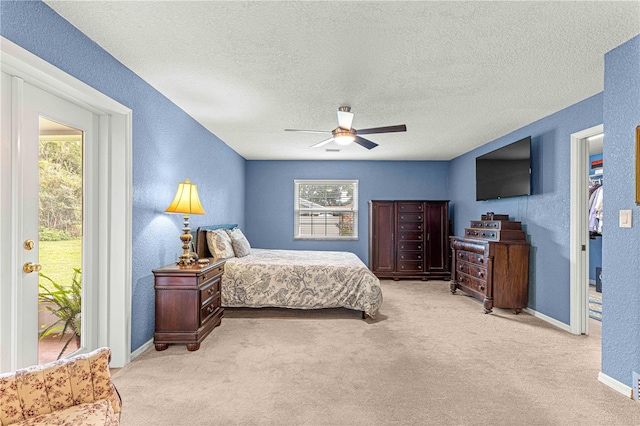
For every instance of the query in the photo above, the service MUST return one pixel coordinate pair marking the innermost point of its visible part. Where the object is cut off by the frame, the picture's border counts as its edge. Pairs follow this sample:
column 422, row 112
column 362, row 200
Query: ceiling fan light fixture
column 344, row 137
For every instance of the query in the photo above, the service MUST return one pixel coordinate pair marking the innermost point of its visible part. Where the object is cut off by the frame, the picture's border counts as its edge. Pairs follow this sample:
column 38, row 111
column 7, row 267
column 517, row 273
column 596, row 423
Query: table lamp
column 186, row 202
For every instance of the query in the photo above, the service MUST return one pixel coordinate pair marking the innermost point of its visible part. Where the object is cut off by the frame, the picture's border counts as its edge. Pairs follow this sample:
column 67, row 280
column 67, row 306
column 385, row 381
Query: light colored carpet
column 431, row 358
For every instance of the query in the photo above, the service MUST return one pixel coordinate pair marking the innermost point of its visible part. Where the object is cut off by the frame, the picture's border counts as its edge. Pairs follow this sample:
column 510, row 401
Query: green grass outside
column 58, row 258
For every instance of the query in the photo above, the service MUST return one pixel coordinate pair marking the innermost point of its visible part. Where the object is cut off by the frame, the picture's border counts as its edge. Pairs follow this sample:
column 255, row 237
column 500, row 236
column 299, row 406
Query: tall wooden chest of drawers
column 409, row 239
column 491, row 263
column 187, row 304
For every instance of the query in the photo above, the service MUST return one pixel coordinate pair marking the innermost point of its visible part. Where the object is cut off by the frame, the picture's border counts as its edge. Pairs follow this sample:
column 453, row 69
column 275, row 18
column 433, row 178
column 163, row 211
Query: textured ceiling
column 458, row 74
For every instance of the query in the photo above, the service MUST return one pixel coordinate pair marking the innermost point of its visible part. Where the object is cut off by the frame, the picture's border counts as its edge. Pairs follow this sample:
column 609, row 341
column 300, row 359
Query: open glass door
column 60, row 234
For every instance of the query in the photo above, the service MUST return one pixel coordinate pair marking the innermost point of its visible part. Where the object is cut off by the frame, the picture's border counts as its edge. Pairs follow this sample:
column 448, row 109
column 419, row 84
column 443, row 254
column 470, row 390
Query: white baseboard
column 616, row 385
column 548, row 319
column 135, row 354
column 592, row 282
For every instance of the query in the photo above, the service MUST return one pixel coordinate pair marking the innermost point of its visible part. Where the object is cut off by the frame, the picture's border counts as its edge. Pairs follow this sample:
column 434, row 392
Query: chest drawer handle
column 481, row 274
column 461, row 267
column 460, row 255
column 210, row 291
column 211, row 308
column 481, row 259
column 482, row 287
column 204, row 277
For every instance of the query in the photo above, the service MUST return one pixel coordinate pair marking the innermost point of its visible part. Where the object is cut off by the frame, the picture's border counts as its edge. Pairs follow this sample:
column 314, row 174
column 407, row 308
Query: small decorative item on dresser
column 186, row 202
column 491, row 263
column 188, row 304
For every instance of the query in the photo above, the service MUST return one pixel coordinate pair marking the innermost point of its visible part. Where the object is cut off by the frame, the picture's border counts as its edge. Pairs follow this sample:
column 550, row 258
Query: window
column 326, row 209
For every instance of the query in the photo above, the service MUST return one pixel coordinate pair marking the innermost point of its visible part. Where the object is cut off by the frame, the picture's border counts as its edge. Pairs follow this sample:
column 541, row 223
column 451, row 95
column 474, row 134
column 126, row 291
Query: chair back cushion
column 42, row 389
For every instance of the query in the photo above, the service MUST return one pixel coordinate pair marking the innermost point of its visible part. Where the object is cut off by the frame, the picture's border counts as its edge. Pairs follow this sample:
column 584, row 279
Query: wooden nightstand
column 187, row 303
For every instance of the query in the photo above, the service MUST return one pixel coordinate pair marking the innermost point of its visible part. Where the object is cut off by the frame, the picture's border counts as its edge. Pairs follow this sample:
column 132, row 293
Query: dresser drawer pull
column 460, row 255
column 481, row 287
column 210, row 291
column 481, row 259
column 204, row 277
column 461, row 267
column 211, row 308
column 481, row 274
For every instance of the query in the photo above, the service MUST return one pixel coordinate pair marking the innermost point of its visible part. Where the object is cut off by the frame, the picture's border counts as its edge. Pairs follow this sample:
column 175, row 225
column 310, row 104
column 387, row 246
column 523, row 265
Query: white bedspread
column 300, row 279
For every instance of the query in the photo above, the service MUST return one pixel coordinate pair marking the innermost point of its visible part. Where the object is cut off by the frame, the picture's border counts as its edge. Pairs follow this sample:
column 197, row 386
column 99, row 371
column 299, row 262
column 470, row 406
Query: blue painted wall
column 621, row 246
column 544, row 214
column 595, row 243
column 269, row 192
column 168, row 146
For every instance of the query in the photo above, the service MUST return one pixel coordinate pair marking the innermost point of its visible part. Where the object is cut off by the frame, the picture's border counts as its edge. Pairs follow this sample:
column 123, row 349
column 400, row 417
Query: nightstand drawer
column 209, row 308
column 209, row 290
column 203, row 278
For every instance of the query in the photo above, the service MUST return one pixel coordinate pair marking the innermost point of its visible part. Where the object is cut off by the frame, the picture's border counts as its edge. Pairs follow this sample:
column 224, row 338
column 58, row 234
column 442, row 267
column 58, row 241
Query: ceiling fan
column 344, row 134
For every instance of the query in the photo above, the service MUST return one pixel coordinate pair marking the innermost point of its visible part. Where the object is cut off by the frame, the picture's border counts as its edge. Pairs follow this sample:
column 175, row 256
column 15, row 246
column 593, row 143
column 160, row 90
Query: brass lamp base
column 186, row 258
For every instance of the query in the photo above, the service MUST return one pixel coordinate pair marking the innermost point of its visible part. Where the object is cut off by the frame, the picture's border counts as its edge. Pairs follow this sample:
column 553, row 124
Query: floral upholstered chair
column 72, row 391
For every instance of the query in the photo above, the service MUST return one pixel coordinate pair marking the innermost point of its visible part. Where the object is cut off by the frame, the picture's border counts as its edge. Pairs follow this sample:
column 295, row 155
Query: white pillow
column 219, row 243
column 239, row 242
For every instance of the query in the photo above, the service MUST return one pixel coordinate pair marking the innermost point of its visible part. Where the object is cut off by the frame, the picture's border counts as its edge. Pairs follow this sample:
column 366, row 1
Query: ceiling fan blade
column 385, row 129
column 324, row 142
column 345, row 119
column 365, row 142
column 307, row 131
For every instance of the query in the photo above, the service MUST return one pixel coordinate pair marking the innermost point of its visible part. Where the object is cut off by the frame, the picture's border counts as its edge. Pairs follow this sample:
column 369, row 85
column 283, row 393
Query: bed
column 295, row 279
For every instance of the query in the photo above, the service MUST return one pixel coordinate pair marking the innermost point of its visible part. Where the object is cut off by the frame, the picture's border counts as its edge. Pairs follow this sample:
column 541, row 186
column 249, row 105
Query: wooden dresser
column 491, row 263
column 409, row 239
column 187, row 303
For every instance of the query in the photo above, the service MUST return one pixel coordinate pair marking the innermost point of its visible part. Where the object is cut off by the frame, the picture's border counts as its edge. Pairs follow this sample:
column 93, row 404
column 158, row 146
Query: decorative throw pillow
column 239, row 242
column 219, row 243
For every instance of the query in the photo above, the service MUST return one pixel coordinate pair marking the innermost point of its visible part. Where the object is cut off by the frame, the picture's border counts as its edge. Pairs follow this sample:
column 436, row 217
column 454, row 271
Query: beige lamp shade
column 186, row 200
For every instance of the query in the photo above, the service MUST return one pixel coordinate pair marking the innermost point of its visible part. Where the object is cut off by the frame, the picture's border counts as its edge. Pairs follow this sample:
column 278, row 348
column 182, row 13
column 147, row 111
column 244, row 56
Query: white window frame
column 303, row 212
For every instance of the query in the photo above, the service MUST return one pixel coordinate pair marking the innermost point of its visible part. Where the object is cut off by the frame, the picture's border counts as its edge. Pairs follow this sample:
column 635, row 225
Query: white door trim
column 579, row 230
column 115, row 200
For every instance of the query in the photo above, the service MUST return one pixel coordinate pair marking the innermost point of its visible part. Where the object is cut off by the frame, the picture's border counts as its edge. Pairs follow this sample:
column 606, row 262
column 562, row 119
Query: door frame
column 115, row 191
column 579, row 230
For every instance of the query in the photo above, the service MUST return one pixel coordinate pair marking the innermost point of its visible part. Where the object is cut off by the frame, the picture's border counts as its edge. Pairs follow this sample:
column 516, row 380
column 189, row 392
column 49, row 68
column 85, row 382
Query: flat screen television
column 505, row 172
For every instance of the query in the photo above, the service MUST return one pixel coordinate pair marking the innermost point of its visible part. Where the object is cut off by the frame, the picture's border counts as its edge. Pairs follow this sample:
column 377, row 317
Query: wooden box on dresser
column 409, row 239
column 491, row 263
column 187, row 303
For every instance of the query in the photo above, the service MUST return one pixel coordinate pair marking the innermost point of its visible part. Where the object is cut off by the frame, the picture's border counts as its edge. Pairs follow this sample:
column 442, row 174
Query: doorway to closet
column 596, row 229
column 583, row 144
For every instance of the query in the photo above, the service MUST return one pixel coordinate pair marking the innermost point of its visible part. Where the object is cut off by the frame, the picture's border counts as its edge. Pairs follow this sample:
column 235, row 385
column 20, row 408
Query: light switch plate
column 625, row 218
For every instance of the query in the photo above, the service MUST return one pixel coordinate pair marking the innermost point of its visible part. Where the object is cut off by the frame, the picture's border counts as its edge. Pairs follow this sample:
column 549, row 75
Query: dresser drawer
column 410, row 217
column 409, row 245
column 209, row 290
column 491, row 235
column 410, row 255
column 472, row 283
column 481, row 233
column 495, row 224
column 410, row 236
column 410, row 207
column 472, row 270
column 409, row 266
column 214, row 272
column 410, row 226
column 470, row 257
